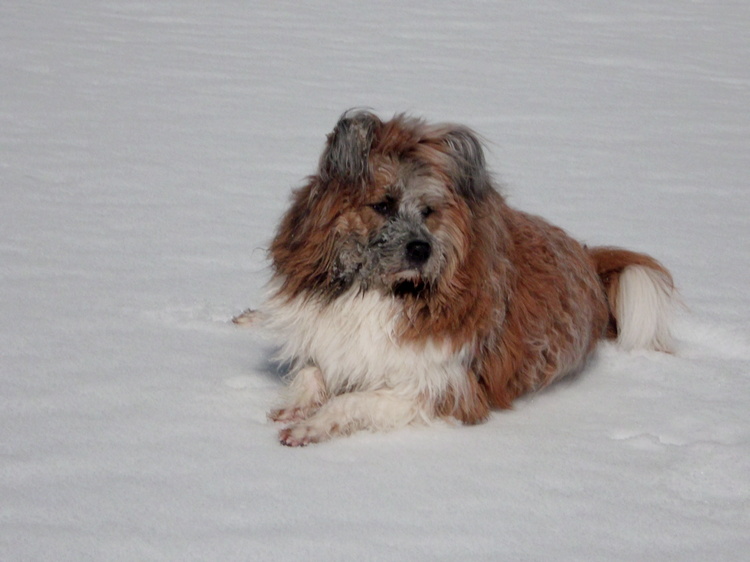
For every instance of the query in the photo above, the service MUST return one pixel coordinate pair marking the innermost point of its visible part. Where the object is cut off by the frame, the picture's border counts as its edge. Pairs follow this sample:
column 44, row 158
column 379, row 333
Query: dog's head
column 390, row 209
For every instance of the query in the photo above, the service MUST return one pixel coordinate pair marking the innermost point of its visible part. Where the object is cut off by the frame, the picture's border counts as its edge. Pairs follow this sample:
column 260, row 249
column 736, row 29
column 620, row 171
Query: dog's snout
column 418, row 251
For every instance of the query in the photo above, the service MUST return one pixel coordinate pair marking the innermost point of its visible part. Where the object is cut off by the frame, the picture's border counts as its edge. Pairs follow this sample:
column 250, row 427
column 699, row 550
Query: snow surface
column 147, row 150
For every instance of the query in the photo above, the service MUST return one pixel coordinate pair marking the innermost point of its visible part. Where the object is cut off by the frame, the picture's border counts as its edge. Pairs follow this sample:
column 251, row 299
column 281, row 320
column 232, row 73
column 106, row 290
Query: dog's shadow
column 270, row 368
column 266, row 365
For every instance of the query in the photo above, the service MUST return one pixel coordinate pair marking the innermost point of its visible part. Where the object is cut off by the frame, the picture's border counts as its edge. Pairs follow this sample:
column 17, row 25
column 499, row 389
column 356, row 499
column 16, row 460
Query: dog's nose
column 418, row 251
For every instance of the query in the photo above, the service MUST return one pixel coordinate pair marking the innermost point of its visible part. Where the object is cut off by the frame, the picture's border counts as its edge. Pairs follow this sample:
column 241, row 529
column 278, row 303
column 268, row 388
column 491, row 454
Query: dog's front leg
column 306, row 393
column 379, row 410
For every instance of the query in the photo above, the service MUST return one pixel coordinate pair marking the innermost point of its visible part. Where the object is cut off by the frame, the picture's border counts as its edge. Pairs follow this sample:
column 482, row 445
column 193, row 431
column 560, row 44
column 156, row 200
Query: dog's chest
column 353, row 341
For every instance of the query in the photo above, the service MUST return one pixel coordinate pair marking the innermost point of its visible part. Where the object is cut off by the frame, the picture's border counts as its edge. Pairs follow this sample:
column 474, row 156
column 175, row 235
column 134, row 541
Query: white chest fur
column 353, row 341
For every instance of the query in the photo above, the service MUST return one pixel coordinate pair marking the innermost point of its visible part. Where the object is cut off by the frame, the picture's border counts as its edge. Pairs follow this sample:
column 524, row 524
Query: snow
column 147, row 150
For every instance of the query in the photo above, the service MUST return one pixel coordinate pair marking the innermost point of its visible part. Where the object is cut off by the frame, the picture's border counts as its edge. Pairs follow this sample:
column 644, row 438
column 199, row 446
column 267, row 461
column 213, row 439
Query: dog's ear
column 348, row 149
column 471, row 177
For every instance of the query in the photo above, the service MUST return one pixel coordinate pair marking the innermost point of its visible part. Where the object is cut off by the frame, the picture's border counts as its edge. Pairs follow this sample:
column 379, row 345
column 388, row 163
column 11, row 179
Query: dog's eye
column 427, row 211
column 386, row 207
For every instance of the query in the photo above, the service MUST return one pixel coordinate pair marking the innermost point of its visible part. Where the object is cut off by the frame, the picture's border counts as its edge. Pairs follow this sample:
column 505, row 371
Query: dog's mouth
column 409, row 288
column 408, row 284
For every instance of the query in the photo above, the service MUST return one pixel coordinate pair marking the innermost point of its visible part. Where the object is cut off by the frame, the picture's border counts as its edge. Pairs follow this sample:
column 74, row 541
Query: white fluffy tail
column 641, row 297
column 643, row 309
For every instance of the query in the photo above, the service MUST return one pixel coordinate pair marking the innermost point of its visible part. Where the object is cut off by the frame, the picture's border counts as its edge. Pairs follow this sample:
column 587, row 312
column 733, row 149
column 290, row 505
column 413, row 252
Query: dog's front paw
column 302, row 434
column 289, row 415
column 248, row 317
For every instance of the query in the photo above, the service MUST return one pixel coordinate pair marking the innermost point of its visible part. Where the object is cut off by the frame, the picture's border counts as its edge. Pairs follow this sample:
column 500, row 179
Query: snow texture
column 147, row 150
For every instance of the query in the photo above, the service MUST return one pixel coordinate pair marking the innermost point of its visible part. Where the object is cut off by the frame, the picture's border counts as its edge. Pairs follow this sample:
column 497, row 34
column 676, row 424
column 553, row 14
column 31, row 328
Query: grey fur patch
column 387, row 257
column 472, row 178
column 347, row 152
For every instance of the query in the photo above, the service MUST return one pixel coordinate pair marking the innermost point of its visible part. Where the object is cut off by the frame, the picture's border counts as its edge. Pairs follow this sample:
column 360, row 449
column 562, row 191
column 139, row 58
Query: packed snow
column 147, row 151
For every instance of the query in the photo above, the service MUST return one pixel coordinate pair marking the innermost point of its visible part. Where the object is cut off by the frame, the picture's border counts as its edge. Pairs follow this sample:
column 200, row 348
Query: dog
column 406, row 290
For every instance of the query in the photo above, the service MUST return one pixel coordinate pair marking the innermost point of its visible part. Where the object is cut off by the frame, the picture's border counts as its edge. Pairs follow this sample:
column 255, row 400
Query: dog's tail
column 641, row 297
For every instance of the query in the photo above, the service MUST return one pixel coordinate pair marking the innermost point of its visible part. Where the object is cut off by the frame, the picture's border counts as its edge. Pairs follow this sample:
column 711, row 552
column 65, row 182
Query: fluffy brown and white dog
column 406, row 290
